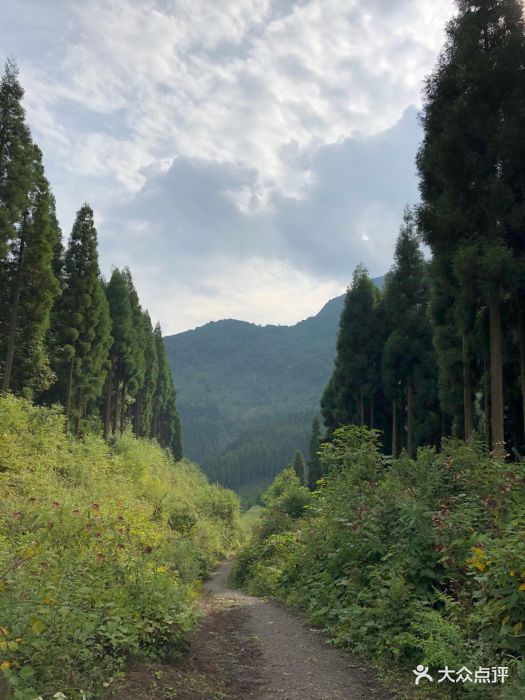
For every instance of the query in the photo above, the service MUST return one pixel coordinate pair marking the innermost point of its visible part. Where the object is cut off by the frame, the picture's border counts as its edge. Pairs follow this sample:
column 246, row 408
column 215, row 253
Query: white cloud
column 262, row 93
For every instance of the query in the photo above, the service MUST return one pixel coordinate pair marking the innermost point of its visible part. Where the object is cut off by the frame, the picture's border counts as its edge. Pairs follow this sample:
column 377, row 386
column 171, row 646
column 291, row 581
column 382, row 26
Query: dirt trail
column 252, row 649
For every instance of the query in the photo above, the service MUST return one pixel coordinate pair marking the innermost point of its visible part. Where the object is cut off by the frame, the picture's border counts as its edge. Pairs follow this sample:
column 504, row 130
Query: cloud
column 203, row 223
column 268, row 130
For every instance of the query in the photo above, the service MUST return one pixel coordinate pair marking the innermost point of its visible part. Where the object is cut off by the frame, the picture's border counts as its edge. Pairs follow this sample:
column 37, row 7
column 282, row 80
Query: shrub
column 404, row 561
column 100, row 549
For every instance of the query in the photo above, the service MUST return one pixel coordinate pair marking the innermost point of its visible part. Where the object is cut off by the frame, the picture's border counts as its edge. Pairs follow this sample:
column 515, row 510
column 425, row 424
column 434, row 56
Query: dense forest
column 247, row 394
column 442, row 350
column 67, row 336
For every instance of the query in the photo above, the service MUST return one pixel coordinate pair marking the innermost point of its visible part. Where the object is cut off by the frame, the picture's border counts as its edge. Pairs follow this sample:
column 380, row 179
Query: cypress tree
column 356, row 372
column 138, row 350
column 315, row 470
column 147, row 390
column 162, row 388
column 32, row 289
column 299, row 467
column 16, row 156
column 468, row 179
column 80, row 319
column 121, row 354
column 408, row 361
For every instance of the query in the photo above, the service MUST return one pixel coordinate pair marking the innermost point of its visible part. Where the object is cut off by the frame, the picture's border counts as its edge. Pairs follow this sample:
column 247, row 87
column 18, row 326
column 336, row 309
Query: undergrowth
column 101, row 552
column 403, row 561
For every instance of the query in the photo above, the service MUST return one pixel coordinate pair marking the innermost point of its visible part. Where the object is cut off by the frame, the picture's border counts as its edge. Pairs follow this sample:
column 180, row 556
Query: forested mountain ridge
column 237, row 381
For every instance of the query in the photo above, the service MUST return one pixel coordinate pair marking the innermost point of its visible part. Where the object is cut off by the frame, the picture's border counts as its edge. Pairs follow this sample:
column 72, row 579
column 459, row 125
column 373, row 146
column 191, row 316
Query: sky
column 241, row 156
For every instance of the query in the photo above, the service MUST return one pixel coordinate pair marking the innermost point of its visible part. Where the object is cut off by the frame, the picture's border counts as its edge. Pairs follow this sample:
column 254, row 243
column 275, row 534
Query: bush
column 100, row 549
column 404, row 561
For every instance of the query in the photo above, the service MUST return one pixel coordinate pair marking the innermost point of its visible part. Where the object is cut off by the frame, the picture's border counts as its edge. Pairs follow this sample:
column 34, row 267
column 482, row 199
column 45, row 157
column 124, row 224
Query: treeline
column 442, row 350
column 66, row 335
column 260, row 451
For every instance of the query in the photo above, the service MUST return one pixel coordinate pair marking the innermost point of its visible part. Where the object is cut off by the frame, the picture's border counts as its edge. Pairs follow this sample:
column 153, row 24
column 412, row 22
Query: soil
column 248, row 648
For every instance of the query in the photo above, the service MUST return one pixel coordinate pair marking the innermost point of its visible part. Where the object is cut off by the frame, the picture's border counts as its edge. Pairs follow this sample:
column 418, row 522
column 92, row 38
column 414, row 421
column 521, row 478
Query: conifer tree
column 299, row 467
column 82, row 325
column 121, row 354
column 408, row 358
column 16, row 156
column 138, row 349
column 162, row 388
column 166, row 425
column 315, row 470
column 356, row 373
column 147, row 390
column 31, row 289
column 468, row 177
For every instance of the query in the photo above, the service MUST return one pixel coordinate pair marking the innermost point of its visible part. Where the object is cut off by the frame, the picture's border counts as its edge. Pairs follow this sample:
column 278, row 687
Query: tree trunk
column 496, row 380
column 77, row 418
column 410, row 418
column 122, row 407
column 486, row 401
column 372, row 410
column 115, row 410
column 522, row 368
column 13, row 322
column 467, row 390
column 107, row 411
column 69, row 391
column 362, row 408
column 395, row 451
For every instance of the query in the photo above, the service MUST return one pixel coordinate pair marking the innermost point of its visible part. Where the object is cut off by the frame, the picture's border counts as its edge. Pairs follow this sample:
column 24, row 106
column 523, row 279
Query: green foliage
column 237, row 383
column 100, row 549
column 405, row 561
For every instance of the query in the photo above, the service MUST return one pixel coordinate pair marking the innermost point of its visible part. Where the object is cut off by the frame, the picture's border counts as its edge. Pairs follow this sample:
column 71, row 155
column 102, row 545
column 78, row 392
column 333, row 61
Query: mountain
column 247, row 394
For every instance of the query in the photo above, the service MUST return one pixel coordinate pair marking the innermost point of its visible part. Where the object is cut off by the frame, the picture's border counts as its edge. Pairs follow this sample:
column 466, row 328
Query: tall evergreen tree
column 147, row 390
column 121, row 354
column 315, row 470
column 82, row 326
column 299, row 467
column 16, row 156
column 31, row 289
column 138, row 349
column 355, row 378
column 166, row 425
column 468, row 178
column 408, row 357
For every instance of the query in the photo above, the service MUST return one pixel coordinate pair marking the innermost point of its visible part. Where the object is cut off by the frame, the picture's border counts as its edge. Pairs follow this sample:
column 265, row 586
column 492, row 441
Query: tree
column 356, row 372
column 16, row 156
column 299, row 467
column 315, row 469
column 32, row 288
column 138, row 350
column 408, row 359
column 121, row 354
column 469, row 179
column 82, row 324
column 147, row 390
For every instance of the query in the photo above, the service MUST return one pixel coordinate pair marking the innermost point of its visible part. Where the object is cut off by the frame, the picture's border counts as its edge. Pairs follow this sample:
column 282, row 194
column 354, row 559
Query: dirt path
column 252, row 649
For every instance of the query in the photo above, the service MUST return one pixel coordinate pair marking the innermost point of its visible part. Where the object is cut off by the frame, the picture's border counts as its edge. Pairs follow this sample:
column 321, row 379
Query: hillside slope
column 236, row 380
